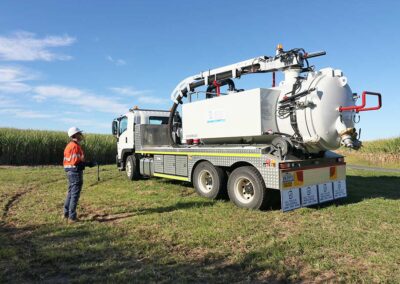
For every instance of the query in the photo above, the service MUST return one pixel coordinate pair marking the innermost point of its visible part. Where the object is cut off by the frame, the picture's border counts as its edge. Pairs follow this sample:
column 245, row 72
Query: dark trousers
column 75, row 182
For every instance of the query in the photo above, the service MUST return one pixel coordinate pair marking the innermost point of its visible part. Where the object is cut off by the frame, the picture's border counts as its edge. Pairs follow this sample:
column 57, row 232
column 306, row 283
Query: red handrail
column 217, row 86
column 364, row 103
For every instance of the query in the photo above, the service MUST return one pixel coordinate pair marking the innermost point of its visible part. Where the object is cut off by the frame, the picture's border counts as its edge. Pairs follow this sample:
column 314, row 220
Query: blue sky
column 82, row 63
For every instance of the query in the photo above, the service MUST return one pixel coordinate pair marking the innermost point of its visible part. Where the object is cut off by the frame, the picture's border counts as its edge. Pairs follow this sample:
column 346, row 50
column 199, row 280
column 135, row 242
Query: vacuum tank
column 259, row 115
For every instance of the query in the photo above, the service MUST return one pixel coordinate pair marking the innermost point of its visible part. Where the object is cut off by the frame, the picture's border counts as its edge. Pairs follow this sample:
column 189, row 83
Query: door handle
column 126, row 139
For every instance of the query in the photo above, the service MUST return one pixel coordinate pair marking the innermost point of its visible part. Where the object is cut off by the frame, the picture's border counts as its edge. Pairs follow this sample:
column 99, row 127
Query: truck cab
column 123, row 128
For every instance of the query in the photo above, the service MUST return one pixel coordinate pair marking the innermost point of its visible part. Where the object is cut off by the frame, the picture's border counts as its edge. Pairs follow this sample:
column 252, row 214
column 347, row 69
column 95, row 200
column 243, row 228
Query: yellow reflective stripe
column 171, row 177
column 254, row 155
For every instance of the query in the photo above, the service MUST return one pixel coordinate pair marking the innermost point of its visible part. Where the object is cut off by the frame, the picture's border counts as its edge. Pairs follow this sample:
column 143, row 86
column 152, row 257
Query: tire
column 132, row 168
column 209, row 181
column 246, row 188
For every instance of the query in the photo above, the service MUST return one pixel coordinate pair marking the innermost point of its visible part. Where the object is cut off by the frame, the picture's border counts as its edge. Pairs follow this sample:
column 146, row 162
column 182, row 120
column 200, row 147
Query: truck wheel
column 246, row 188
column 209, row 181
column 132, row 168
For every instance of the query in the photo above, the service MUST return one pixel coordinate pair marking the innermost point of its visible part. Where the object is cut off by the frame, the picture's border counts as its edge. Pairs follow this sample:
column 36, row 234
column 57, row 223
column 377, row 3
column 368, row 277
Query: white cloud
column 13, row 78
column 152, row 100
column 25, row 46
column 142, row 96
column 81, row 98
column 15, row 74
column 117, row 62
column 129, row 91
column 85, row 122
column 22, row 113
column 5, row 102
column 32, row 114
column 14, row 87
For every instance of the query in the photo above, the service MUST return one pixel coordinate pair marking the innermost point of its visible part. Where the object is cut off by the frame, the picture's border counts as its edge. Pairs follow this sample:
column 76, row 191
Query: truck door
column 126, row 135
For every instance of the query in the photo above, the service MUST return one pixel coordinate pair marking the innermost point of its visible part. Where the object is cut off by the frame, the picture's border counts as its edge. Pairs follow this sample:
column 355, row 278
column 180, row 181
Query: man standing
column 74, row 164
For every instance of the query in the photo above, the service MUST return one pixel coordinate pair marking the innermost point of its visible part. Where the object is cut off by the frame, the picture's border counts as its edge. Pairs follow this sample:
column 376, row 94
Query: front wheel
column 132, row 168
column 246, row 188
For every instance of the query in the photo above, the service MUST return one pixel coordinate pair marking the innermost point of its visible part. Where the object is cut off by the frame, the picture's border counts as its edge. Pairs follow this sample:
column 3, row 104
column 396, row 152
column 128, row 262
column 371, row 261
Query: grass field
column 161, row 231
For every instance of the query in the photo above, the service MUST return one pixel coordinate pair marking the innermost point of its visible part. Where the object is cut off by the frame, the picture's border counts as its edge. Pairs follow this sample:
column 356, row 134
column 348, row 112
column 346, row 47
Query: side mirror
column 114, row 128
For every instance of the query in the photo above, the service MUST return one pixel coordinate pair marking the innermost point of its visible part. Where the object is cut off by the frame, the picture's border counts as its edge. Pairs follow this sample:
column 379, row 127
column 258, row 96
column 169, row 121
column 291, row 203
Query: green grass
column 161, row 231
column 39, row 147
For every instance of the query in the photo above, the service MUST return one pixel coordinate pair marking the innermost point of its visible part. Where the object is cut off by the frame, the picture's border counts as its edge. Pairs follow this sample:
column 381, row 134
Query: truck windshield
column 158, row 120
column 123, row 124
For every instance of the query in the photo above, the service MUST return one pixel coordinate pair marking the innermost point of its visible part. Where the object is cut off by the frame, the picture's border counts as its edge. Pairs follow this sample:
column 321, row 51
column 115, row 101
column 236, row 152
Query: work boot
column 73, row 221
column 64, row 217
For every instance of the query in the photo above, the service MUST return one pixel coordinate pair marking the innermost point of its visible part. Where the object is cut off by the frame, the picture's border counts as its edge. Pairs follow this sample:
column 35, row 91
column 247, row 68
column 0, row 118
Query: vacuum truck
column 250, row 144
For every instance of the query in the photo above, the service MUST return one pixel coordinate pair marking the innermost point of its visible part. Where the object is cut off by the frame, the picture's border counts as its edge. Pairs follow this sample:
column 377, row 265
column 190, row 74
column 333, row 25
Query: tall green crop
column 389, row 146
column 39, row 147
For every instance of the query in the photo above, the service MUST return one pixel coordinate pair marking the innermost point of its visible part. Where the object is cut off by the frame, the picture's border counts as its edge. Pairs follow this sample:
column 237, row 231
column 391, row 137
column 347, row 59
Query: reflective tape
column 72, row 156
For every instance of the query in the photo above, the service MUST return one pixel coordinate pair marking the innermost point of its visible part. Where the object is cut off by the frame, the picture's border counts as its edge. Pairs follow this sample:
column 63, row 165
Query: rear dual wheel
column 246, row 188
column 209, row 181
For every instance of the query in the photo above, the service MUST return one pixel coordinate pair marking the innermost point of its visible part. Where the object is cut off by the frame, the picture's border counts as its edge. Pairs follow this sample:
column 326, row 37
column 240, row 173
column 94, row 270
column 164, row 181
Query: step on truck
column 250, row 144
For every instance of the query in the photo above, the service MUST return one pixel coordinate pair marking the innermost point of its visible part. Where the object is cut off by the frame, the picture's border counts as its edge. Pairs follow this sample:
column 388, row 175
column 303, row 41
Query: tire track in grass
column 15, row 198
column 12, row 201
column 20, row 239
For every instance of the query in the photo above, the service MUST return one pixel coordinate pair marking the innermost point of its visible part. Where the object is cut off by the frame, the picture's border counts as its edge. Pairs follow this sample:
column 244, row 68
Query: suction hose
column 171, row 123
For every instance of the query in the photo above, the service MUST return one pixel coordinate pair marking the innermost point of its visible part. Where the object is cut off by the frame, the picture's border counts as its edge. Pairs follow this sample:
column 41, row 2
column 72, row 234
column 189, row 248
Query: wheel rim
column 244, row 190
column 128, row 169
column 205, row 181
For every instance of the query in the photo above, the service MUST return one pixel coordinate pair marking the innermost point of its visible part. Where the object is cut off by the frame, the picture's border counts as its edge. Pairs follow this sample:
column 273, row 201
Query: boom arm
column 262, row 64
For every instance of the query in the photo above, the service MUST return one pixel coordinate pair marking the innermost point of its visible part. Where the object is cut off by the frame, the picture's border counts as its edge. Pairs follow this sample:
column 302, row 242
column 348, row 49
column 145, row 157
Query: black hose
column 231, row 85
column 209, row 91
column 171, row 123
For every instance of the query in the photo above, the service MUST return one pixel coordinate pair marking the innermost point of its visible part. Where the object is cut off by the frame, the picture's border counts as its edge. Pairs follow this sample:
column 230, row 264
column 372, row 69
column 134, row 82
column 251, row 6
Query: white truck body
column 300, row 182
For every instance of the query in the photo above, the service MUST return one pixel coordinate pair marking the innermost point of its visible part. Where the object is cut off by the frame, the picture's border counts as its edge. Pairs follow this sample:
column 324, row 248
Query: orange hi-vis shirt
column 73, row 155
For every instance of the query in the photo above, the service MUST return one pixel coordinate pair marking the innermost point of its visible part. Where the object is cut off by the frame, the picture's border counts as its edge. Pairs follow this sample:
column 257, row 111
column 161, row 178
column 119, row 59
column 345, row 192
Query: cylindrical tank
column 319, row 122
